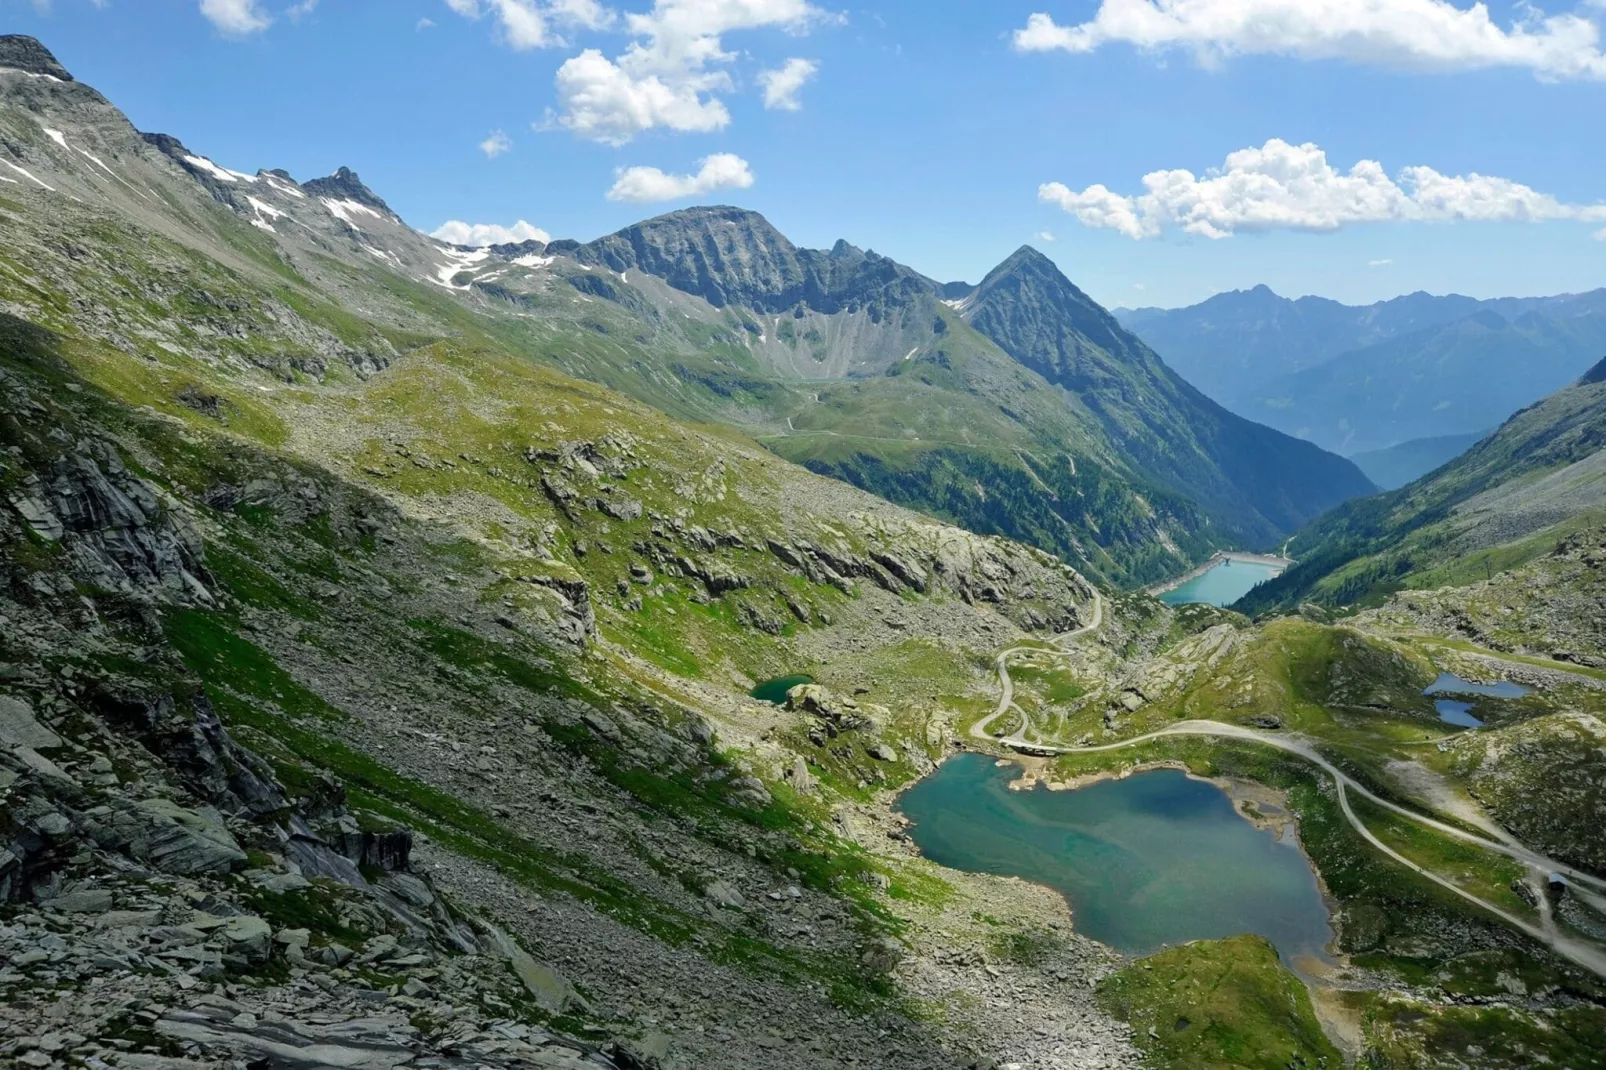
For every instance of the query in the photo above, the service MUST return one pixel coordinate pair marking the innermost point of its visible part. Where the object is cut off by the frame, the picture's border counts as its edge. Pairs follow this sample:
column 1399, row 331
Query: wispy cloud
column 1379, row 263
column 236, row 18
column 673, row 73
column 497, row 144
column 782, row 85
column 527, row 24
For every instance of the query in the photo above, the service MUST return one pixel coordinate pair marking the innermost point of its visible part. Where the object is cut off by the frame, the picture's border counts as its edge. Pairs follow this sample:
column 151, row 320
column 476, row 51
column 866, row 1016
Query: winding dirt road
column 1540, row 867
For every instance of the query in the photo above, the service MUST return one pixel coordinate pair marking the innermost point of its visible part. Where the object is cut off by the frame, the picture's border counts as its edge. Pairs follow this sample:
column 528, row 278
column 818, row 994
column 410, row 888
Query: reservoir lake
column 1149, row 861
column 1222, row 584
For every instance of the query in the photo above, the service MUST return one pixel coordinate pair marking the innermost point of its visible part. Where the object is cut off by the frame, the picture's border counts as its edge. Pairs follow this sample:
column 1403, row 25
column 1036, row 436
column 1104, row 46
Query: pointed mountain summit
column 1173, row 433
column 1039, row 317
column 22, row 53
column 344, row 185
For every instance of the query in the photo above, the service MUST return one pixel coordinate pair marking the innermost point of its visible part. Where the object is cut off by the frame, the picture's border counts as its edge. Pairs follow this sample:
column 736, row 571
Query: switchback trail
column 1540, row 866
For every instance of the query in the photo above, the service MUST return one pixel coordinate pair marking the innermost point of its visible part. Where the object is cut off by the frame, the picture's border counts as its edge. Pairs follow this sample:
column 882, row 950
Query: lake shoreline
column 1250, row 799
column 1271, row 560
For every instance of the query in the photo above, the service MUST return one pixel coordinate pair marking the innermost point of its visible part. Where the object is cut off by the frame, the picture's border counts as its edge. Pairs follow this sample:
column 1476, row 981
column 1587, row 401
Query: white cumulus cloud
column 1280, row 186
column 475, row 235
column 782, row 85
column 671, row 74
column 527, row 24
column 496, row 144
column 1426, row 35
column 236, row 18
column 722, row 170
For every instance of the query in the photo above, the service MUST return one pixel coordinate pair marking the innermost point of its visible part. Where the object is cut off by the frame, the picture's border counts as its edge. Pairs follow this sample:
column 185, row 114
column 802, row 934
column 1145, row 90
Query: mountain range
column 1016, row 407
column 416, row 655
column 1360, row 379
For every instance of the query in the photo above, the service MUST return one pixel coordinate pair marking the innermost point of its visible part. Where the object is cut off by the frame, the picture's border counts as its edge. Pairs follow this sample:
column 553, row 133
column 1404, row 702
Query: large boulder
column 19, row 728
column 176, row 840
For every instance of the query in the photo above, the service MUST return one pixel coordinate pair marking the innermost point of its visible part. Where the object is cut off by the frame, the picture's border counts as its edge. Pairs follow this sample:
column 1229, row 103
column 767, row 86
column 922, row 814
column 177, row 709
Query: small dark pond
column 775, row 690
column 1458, row 711
column 1152, row 860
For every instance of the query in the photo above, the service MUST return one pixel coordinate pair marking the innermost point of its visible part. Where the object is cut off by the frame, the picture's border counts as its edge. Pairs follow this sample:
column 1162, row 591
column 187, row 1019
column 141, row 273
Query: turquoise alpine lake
column 1149, row 861
column 1221, row 584
column 775, row 690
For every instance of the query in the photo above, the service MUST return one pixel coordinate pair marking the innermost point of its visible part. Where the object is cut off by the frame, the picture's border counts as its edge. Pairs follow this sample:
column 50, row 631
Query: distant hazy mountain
column 1358, row 379
column 1508, row 499
column 1399, row 465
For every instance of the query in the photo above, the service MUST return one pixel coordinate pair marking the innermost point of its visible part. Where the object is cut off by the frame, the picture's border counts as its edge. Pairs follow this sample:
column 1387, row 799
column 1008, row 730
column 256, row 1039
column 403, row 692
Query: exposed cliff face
column 730, row 256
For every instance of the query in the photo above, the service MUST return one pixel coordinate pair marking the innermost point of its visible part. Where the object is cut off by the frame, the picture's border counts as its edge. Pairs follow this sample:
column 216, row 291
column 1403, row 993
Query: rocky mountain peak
column 723, row 254
column 344, row 185
column 514, row 250
column 23, row 53
column 1025, row 258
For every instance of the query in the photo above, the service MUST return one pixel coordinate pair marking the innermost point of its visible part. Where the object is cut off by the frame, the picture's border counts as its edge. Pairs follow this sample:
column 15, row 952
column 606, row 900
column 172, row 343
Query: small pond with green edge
column 775, row 690
column 1149, row 861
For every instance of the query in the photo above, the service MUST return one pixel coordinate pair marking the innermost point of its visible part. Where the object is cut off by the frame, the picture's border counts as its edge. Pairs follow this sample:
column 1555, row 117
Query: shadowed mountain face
column 1170, row 429
column 1361, row 379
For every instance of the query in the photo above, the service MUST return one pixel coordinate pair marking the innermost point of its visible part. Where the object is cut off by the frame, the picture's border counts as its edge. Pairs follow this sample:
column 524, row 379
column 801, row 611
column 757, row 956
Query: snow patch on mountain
column 344, row 210
column 222, row 174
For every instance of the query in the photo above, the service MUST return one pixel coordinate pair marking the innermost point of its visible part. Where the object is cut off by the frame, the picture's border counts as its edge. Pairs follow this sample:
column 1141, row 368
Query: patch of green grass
column 220, row 657
column 1485, row 874
column 1406, row 1034
column 1219, row 1004
column 465, row 650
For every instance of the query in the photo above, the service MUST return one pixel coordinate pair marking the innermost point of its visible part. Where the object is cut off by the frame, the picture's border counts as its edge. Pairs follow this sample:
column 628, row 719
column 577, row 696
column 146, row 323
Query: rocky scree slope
column 508, row 609
column 168, row 897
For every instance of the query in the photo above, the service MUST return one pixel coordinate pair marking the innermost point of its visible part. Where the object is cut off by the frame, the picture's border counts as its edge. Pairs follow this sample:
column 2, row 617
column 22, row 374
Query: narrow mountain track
column 1540, row 866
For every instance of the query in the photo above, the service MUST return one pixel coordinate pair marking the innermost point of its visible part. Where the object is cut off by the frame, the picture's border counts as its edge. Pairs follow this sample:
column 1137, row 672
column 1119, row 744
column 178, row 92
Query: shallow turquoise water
column 1222, row 585
column 1153, row 860
column 775, row 690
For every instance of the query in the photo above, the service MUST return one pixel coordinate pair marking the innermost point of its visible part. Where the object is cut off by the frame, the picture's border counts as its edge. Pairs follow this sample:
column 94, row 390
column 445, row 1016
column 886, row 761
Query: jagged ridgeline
column 1018, row 407
column 371, row 692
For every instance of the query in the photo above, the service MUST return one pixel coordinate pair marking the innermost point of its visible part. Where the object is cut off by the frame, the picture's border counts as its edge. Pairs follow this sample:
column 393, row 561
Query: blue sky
column 928, row 130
